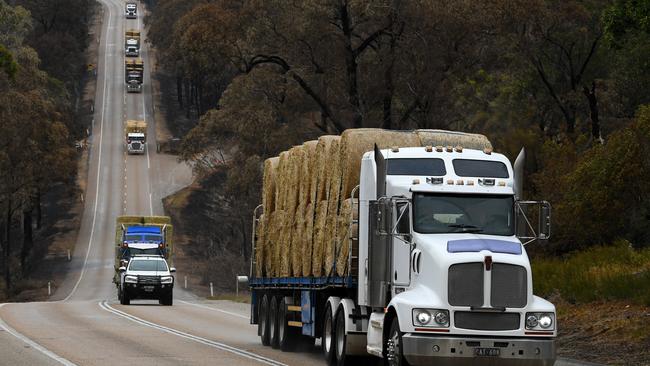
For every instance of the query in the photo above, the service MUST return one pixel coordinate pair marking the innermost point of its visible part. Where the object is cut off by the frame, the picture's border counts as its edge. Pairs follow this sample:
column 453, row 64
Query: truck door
column 401, row 271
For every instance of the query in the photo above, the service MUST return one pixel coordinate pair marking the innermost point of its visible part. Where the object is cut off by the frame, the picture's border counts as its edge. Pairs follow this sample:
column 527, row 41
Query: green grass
column 615, row 272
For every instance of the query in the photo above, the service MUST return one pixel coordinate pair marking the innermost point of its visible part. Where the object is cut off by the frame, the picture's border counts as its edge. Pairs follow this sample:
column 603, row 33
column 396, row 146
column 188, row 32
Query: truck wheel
column 328, row 336
column 263, row 326
column 394, row 346
column 340, row 338
column 273, row 323
column 124, row 299
column 286, row 334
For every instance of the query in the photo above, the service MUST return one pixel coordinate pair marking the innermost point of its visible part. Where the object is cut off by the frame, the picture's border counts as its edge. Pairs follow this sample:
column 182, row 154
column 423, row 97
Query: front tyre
column 124, row 298
column 395, row 346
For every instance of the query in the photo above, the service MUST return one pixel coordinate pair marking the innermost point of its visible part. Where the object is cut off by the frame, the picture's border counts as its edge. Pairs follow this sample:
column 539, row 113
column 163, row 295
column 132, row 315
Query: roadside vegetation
column 41, row 73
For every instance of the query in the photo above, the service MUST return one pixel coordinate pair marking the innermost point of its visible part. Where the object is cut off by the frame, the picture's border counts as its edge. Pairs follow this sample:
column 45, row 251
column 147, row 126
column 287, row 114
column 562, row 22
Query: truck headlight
column 431, row 318
column 131, row 279
column 540, row 321
column 166, row 279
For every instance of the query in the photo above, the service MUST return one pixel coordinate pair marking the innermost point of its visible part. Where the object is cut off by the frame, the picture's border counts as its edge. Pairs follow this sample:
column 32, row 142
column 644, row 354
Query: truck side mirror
column 403, row 224
column 527, row 212
column 122, row 269
column 172, row 269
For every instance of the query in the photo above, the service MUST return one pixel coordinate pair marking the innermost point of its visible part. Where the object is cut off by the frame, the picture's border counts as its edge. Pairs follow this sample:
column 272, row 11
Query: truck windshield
column 145, row 238
column 445, row 213
column 148, row 265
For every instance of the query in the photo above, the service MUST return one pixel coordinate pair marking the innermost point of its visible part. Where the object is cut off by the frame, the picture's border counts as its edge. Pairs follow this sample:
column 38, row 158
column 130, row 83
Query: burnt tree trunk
column 28, row 240
column 593, row 110
column 179, row 90
column 7, row 253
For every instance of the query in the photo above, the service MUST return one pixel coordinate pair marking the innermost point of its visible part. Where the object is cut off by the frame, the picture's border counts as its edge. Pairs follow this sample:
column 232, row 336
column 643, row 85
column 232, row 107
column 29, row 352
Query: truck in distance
column 414, row 252
column 146, row 277
column 132, row 43
column 131, row 10
column 134, row 75
column 135, row 136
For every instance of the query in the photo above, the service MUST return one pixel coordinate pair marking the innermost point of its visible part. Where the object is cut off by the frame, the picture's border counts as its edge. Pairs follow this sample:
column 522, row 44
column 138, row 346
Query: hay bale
column 346, row 230
column 306, row 166
column 356, row 142
column 160, row 220
column 291, row 181
column 260, row 232
column 280, row 187
column 329, row 248
column 283, row 249
column 320, row 171
column 277, row 236
column 319, row 239
column 308, row 240
column 297, row 241
column 453, row 138
column 268, row 185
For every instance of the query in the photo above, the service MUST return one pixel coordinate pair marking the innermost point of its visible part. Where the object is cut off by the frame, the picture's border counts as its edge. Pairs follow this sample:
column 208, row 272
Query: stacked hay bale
column 306, row 228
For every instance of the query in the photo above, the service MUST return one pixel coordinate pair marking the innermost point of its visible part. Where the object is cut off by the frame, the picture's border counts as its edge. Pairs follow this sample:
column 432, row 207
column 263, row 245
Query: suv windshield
column 485, row 214
column 147, row 265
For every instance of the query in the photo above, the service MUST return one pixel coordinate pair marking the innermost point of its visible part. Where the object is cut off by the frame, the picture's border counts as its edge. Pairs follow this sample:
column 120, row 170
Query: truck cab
column 143, row 240
column 146, row 277
column 443, row 263
column 132, row 48
column 136, row 143
column 131, row 11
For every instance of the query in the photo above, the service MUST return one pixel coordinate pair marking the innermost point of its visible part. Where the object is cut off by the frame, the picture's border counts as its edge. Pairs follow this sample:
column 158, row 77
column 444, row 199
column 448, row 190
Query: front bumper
column 145, row 291
column 421, row 349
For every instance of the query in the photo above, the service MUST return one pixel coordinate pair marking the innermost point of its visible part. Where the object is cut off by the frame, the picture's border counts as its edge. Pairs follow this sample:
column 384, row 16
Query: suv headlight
column 166, row 279
column 540, row 321
column 431, row 318
column 131, row 279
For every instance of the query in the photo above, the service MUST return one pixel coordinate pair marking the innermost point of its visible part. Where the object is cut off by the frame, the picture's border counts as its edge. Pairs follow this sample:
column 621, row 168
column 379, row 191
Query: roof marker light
column 459, row 149
column 439, row 148
column 450, row 181
column 450, row 148
column 470, row 182
column 460, row 182
column 416, row 181
column 502, row 184
column 488, row 150
column 428, row 148
column 395, row 149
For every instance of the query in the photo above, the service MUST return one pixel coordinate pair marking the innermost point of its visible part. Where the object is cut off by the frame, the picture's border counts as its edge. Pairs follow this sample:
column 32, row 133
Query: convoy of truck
column 135, row 136
column 147, row 239
column 423, row 255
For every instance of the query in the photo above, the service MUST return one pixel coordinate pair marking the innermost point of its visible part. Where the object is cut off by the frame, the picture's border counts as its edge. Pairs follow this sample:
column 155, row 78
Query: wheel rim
column 281, row 323
column 340, row 337
column 328, row 333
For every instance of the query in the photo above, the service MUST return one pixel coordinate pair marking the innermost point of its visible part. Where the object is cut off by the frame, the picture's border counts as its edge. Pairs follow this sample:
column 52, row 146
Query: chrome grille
column 509, row 286
column 149, row 280
column 486, row 321
column 465, row 285
column 136, row 145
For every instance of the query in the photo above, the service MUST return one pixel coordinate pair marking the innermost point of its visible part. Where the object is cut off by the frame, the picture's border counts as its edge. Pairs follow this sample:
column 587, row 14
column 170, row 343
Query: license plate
column 150, row 289
column 487, row 352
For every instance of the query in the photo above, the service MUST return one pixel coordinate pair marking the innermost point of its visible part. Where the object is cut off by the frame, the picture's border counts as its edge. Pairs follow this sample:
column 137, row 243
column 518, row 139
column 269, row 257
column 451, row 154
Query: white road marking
column 99, row 162
column 214, row 309
column 150, row 205
column 214, row 344
column 33, row 344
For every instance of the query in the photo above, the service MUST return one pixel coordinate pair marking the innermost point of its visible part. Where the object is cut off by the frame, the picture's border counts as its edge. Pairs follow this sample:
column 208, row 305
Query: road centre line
column 99, row 162
column 213, row 309
column 33, row 344
column 214, row 344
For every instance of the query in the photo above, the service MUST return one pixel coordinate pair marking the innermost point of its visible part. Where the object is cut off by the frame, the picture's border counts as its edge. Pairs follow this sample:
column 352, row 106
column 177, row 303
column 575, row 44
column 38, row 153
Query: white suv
column 146, row 277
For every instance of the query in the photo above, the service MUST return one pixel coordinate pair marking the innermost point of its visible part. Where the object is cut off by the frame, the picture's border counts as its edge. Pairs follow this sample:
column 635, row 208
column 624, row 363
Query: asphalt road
column 84, row 323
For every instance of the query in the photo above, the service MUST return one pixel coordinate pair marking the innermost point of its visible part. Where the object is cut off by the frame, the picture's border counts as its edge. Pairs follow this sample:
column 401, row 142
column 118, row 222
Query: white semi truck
column 438, row 274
